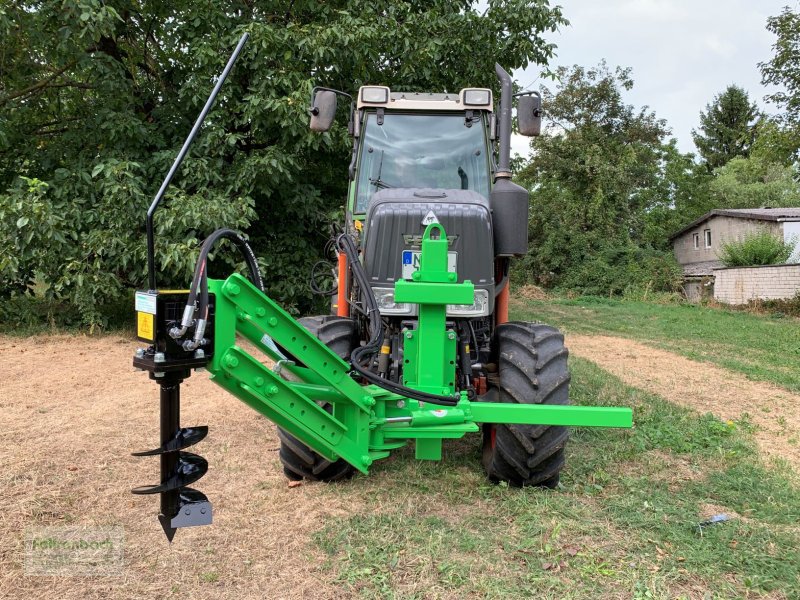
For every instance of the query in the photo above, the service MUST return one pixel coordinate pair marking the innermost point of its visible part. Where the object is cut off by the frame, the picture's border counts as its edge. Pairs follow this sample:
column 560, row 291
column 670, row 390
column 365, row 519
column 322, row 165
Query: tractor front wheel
column 532, row 368
column 299, row 461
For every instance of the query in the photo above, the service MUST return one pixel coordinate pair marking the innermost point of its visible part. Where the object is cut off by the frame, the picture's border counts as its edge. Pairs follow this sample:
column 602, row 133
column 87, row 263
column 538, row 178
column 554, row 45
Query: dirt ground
column 703, row 387
column 72, row 409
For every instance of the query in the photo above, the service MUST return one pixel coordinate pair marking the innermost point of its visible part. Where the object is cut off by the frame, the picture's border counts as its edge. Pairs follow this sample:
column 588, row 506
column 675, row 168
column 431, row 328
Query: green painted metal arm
column 548, row 414
column 242, row 308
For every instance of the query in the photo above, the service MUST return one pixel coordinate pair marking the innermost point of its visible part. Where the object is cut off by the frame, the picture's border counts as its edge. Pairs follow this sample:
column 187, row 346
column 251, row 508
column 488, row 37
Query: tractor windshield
column 421, row 151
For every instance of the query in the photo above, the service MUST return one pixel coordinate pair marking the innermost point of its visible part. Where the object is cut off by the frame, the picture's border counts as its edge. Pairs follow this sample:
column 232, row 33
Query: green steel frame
column 366, row 422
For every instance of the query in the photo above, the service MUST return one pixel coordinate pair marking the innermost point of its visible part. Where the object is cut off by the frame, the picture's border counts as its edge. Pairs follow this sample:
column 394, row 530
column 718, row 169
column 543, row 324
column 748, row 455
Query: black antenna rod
column 151, row 259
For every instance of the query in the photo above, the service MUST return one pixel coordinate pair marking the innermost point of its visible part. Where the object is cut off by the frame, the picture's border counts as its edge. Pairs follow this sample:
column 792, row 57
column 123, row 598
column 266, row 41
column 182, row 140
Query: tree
column 679, row 195
column 97, row 96
column 591, row 178
column 753, row 183
column 783, row 70
column 727, row 128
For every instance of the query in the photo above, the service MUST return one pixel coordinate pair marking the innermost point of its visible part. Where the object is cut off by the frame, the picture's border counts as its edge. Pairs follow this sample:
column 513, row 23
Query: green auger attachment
column 360, row 423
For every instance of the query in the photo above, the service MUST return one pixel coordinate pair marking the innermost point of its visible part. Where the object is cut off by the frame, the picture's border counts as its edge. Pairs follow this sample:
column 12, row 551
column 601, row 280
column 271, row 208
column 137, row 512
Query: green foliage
column 727, row 128
column 624, row 270
column 783, row 69
column 592, row 179
column 680, row 195
column 753, row 183
column 755, row 248
column 776, row 142
column 97, row 97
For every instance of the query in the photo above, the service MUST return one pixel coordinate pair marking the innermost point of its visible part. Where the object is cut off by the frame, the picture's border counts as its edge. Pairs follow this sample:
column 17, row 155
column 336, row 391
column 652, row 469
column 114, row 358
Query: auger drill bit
column 181, row 506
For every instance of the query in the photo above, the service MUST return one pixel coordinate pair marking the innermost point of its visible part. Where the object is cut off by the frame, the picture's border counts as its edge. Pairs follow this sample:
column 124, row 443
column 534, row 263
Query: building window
column 696, row 241
column 707, row 234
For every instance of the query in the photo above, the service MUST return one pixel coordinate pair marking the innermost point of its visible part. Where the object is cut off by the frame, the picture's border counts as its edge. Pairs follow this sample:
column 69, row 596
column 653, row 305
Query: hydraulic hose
column 373, row 345
column 200, row 284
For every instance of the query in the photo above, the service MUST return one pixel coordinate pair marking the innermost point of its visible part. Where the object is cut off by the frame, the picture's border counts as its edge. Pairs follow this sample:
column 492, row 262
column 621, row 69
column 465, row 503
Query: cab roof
column 467, row 99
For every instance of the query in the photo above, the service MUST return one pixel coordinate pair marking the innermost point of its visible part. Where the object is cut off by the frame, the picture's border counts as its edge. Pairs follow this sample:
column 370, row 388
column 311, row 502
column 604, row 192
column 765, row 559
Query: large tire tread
column 532, row 369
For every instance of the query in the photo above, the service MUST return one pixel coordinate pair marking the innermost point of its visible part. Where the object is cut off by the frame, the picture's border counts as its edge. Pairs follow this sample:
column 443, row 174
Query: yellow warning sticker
column 144, row 326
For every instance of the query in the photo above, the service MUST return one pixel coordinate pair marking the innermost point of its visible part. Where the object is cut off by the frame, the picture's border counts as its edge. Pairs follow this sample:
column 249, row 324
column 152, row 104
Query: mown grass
column 624, row 522
column 764, row 348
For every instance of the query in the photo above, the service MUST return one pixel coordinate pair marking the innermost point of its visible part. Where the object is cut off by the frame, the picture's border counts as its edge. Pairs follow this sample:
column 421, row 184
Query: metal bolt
column 272, row 390
column 451, row 276
column 260, row 312
column 232, row 362
column 368, row 400
column 272, row 321
column 199, row 353
column 401, row 404
column 367, row 460
column 409, row 335
column 415, row 276
column 202, row 511
column 139, row 353
column 159, row 357
column 234, row 290
column 259, row 381
column 451, row 336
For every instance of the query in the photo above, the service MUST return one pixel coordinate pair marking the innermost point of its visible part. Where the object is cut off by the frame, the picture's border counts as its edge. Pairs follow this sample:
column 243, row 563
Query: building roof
column 701, row 269
column 756, row 214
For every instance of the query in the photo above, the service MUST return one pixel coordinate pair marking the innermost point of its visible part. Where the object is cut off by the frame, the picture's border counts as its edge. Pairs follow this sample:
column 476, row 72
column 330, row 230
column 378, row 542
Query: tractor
column 417, row 347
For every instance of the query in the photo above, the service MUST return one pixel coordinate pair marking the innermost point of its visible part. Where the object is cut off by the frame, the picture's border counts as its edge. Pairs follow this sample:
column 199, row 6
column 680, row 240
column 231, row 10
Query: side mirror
column 529, row 115
column 323, row 110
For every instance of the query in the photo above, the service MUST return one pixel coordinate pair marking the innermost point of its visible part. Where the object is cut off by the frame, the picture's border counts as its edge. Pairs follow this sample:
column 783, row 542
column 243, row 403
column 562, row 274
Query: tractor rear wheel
column 299, row 461
column 531, row 369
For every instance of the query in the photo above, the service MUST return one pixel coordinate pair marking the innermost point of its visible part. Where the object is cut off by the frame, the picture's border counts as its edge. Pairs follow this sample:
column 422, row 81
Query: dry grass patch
column 701, row 386
column 72, row 411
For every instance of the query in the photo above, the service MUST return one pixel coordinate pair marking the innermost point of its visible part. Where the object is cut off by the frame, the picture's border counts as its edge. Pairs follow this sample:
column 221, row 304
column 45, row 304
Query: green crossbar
column 548, row 414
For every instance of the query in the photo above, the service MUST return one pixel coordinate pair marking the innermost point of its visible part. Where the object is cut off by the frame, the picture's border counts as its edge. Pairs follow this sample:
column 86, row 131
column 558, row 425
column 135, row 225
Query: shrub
column 755, row 248
column 626, row 270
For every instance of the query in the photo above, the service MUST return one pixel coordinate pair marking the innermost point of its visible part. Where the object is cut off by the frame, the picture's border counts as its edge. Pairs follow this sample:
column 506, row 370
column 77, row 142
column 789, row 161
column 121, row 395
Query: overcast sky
column 683, row 52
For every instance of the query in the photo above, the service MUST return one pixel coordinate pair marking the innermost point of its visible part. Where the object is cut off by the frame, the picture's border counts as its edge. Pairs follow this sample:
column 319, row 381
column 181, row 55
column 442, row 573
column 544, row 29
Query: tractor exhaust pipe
column 504, row 124
column 508, row 200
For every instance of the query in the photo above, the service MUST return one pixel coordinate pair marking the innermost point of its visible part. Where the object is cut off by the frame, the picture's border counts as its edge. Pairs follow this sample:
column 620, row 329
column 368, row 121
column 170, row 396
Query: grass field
column 765, row 348
column 623, row 523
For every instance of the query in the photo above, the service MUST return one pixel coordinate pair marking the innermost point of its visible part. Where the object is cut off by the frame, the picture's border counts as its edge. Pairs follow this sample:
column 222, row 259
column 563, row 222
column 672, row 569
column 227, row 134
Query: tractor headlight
column 475, row 97
column 479, row 308
column 387, row 305
column 375, row 95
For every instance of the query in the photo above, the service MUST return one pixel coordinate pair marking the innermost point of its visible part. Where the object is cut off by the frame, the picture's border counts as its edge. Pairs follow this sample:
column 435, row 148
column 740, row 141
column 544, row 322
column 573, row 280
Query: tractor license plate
column 411, row 262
